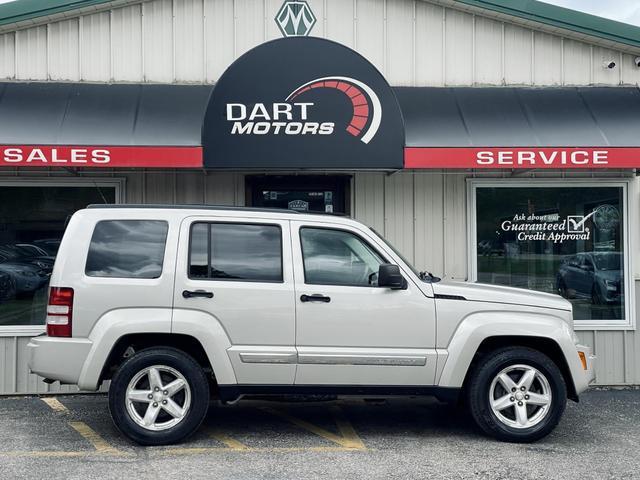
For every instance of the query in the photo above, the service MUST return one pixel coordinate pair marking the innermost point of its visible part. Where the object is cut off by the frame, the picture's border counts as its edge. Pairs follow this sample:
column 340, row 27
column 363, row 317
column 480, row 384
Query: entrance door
column 304, row 193
column 236, row 276
column 349, row 331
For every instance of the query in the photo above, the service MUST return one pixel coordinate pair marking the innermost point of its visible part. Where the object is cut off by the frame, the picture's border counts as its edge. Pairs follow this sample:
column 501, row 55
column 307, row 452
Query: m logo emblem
column 295, row 18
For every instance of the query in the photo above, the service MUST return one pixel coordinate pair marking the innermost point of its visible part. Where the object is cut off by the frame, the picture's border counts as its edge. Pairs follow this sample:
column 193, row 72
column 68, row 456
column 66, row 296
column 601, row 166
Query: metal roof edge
column 564, row 18
column 22, row 10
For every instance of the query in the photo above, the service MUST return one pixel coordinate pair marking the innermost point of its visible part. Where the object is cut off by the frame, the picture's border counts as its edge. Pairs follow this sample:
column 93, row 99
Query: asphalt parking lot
column 72, row 437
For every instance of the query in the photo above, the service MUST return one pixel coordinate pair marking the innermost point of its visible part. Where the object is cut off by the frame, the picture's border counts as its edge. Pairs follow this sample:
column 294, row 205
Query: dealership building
column 488, row 140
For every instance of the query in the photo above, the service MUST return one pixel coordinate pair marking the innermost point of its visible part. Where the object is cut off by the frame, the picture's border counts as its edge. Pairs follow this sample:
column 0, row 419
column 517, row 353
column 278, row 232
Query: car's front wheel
column 159, row 396
column 517, row 394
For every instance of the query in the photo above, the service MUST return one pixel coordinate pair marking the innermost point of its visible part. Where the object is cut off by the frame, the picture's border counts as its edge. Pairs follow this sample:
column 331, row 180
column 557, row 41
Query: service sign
column 521, row 157
column 303, row 103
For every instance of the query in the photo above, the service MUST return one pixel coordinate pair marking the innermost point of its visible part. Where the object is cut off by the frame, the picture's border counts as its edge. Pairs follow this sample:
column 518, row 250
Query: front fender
column 110, row 328
column 477, row 327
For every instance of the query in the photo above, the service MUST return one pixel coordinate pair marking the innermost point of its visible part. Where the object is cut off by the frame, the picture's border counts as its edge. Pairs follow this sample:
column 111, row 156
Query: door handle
column 197, row 293
column 315, row 298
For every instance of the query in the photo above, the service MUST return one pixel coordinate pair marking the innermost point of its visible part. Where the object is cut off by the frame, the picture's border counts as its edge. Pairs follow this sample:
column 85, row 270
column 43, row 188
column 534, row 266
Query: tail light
column 59, row 312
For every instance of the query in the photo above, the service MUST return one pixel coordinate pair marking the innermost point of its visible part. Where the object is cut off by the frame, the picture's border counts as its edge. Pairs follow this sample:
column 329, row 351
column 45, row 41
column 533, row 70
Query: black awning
column 523, row 116
column 99, row 114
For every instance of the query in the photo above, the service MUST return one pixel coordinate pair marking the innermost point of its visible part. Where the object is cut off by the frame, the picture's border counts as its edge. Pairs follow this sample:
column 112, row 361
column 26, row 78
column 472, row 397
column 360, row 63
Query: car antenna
column 104, row 199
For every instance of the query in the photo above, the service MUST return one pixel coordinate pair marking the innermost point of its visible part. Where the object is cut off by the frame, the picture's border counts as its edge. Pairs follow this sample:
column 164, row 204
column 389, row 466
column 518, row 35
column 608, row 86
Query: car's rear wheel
column 159, row 396
column 517, row 394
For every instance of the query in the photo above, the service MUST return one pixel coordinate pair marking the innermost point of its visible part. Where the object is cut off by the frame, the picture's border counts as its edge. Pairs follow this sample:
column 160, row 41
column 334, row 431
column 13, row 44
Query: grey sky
column 627, row 11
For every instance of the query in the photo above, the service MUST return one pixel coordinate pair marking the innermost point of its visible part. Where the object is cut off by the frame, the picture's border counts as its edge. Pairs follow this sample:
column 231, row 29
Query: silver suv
column 178, row 305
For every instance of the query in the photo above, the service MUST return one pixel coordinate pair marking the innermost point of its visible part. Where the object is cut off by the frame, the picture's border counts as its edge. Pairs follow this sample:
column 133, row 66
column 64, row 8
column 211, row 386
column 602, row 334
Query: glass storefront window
column 32, row 221
column 564, row 239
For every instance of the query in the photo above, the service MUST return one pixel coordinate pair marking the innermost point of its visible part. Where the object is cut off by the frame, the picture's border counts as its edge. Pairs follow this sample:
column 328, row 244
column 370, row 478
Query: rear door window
column 236, row 252
column 127, row 249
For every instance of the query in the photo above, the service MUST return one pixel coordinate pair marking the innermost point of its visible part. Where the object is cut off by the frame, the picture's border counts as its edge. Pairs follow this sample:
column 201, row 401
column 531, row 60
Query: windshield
column 607, row 261
column 395, row 250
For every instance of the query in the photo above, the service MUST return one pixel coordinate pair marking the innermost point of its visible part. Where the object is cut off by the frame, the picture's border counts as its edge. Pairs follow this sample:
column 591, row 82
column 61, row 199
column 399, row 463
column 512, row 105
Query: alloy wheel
column 158, row 397
column 520, row 396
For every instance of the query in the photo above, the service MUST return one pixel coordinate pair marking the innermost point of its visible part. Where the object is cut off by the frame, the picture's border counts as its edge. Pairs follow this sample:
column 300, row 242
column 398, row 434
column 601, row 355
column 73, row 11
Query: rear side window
column 236, row 251
column 127, row 249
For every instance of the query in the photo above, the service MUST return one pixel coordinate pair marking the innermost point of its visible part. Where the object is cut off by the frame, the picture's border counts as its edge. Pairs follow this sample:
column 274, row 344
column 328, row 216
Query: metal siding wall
column 250, row 24
column 8, row 55
column 189, row 40
column 488, row 52
column 547, row 60
column 518, row 54
column 31, row 53
column 400, row 43
column 126, row 43
column 458, row 48
column 412, row 42
column 429, row 213
column 219, row 37
column 157, row 24
column 340, row 21
column 95, row 57
column 64, row 47
column 370, row 32
column 429, row 54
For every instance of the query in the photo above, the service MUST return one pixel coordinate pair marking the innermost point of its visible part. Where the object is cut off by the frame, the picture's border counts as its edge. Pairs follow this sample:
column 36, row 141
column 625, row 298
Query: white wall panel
column 368, row 199
column 547, row 61
column 219, row 37
column 95, row 47
column 63, row 49
column 157, row 24
column 340, row 21
column 317, row 6
column 400, row 44
column 399, row 212
column 189, row 40
column 458, row 48
column 455, row 227
column 8, row 55
column 602, row 75
column 126, row 43
column 370, row 31
column 271, row 30
column 577, row 63
column 518, row 43
column 630, row 73
column 429, row 213
column 488, row 51
column 250, row 20
column 429, row 56
column 31, row 52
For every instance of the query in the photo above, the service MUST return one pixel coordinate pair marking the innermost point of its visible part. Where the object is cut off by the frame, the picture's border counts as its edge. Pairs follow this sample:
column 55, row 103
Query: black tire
column 187, row 367
column 479, row 390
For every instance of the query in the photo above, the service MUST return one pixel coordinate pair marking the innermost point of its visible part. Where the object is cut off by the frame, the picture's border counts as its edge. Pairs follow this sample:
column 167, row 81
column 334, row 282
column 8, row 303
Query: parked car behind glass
column 592, row 275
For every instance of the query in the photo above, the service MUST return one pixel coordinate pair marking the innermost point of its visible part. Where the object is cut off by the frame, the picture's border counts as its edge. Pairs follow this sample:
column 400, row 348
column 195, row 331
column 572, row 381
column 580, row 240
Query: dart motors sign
column 303, row 103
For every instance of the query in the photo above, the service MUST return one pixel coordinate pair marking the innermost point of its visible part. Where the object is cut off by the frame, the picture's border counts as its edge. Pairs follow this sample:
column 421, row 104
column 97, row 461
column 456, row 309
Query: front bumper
column 583, row 377
column 57, row 358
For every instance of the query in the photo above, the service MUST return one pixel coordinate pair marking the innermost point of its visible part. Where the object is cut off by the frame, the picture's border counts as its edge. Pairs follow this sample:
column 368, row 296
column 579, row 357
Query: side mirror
column 389, row 276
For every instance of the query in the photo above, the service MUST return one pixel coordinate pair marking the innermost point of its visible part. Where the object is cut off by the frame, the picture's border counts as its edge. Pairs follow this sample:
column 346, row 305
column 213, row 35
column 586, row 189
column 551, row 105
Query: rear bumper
column 57, row 358
column 582, row 377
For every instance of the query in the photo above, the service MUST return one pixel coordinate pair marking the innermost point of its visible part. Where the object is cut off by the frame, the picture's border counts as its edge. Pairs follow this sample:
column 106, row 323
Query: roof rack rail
column 191, row 207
